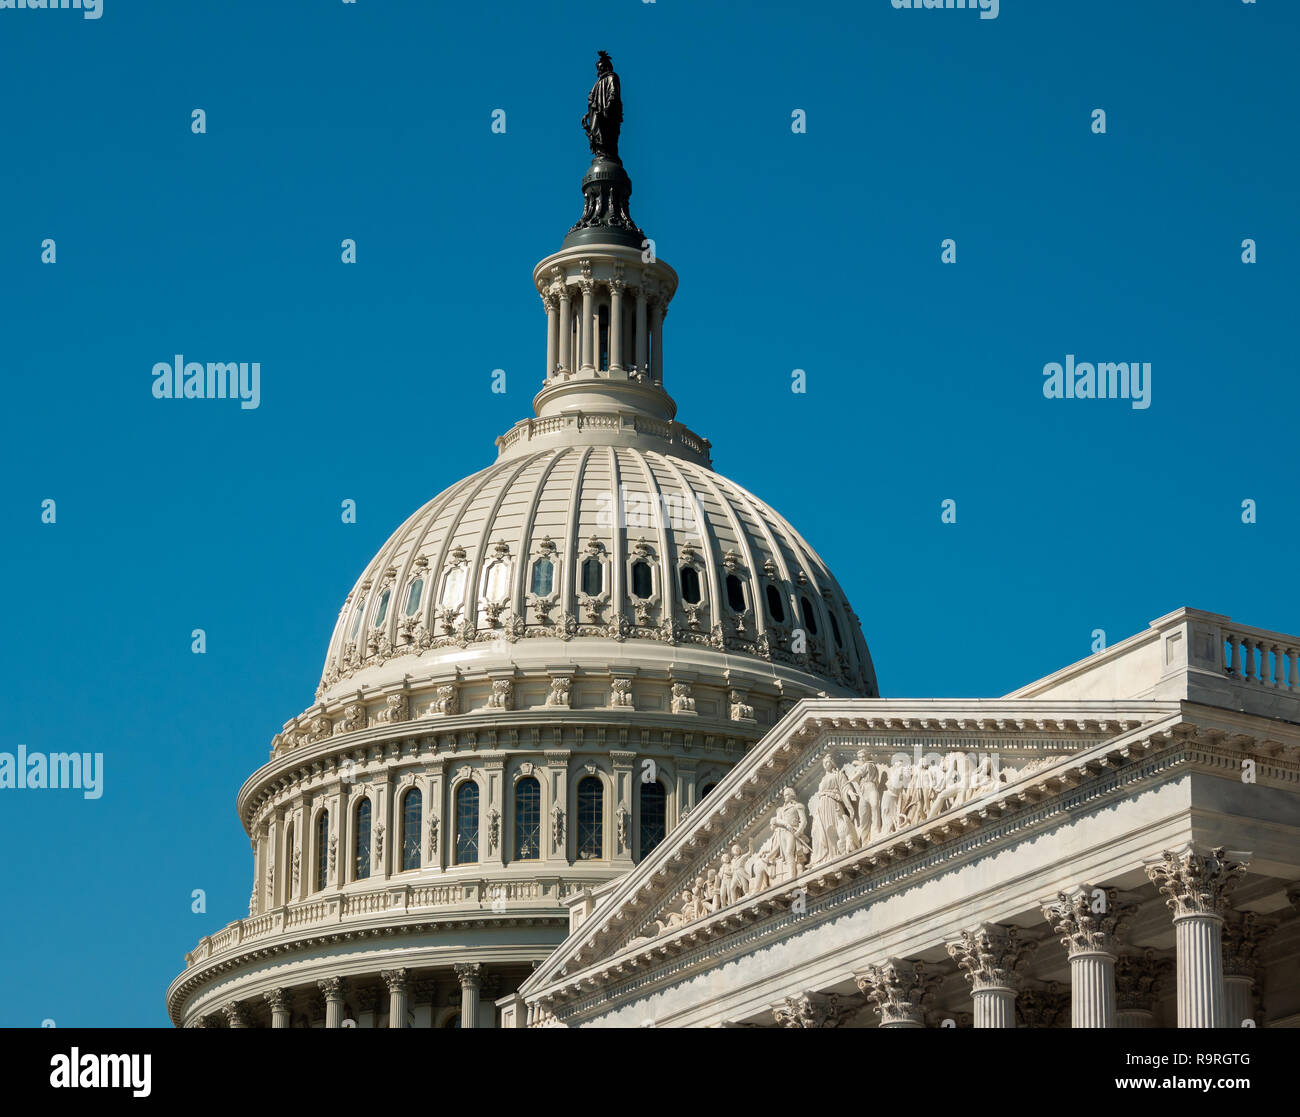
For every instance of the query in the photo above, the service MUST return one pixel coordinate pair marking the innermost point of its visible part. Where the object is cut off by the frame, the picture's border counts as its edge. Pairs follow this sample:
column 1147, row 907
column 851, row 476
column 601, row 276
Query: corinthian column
column 900, row 990
column 1088, row 923
column 616, row 324
column 235, row 1017
column 566, row 329
column 1242, row 937
column 810, row 1010
column 587, row 325
column 396, row 982
column 552, row 332
column 992, row 955
column 657, row 311
column 1195, row 889
column 278, row 999
column 641, row 347
column 471, row 978
column 332, row 988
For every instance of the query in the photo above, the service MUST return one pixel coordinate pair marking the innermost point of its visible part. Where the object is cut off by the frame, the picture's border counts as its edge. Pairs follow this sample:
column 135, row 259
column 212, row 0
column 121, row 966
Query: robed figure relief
column 604, row 111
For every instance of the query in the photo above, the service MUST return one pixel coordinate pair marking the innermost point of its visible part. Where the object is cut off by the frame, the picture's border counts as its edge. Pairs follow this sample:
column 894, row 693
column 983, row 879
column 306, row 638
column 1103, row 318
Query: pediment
column 840, row 788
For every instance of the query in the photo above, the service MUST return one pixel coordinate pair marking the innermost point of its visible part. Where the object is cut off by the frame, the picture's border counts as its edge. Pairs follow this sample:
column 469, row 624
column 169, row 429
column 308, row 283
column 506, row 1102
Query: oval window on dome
column 356, row 619
column 642, row 579
column 382, row 615
column 774, row 605
column 592, row 577
column 498, row 581
column 543, row 577
column 806, row 611
column 735, row 593
column 413, row 596
column 690, row 585
column 453, row 589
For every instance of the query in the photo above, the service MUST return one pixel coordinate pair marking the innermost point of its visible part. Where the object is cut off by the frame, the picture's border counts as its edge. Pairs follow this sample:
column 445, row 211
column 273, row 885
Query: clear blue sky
column 819, row 251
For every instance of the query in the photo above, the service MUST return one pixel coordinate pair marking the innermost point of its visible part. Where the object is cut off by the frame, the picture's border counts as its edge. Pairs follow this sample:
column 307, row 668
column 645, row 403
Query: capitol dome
column 536, row 679
column 611, row 536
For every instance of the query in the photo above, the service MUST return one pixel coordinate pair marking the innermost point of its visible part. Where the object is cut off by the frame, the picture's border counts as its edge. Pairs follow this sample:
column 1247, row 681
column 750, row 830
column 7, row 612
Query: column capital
column 278, row 999
column 811, row 1010
column 1194, row 884
column 1090, row 921
column 395, row 980
column 1139, row 980
column 1243, row 934
column 1047, row 1006
column 992, row 956
column 469, row 974
column 900, row 989
column 331, row 987
column 234, row 1013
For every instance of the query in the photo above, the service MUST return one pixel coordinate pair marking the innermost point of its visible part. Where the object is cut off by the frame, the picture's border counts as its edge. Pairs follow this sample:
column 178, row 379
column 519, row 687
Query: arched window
column 690, row 585
column 383, row 607
column 735, row 593
column 654, row 816
column 361, row 842
column 774, row 605
column 467, row 823
column 453, row 589
column 835, row 631
column 543, row 577
column 322, row 849
column 528, row 819
column 413, row 595
column 498, row 581
column 806, row 611
column 642, row 579
column 592, row 576
column 412, row 820
column 591, row 819
column 356, row 620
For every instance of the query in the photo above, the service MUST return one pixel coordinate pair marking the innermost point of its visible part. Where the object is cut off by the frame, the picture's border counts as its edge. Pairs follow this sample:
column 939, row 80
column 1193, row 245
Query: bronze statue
column 604, row 114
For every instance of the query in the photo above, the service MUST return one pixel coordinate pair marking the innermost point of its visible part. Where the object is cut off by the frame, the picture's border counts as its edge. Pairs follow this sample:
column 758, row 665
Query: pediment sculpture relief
column 853, row 805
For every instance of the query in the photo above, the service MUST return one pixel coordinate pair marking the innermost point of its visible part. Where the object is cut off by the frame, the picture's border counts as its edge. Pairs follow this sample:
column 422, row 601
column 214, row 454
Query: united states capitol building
column 598, row 743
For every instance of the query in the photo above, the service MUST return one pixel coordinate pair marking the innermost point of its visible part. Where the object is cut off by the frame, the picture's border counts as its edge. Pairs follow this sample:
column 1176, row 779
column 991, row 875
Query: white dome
column 582, row 541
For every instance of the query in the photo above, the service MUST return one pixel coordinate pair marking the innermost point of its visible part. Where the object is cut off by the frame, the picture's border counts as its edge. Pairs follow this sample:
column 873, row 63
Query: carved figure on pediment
column 834, row 813
column 726, row 887
column 866, row 777
column 952, row 781
column 791, row 847
column 712, row 892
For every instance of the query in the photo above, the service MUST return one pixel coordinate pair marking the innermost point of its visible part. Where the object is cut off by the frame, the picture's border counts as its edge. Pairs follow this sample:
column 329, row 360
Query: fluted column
column 566, row 329
column 1088, row 922
column 234, row 1013
column 900, row 989
column 657, row 309
column 616, row 324
column 992, row 956
column 278, row 999
column 332, row 988
column 1195, row 888
column 642, row 350
column 397, row 984
column 1243, row 934
column 587, row 325
column 549, row 301
column 810, row 1010
column 471, row 978
column 1139, row 979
